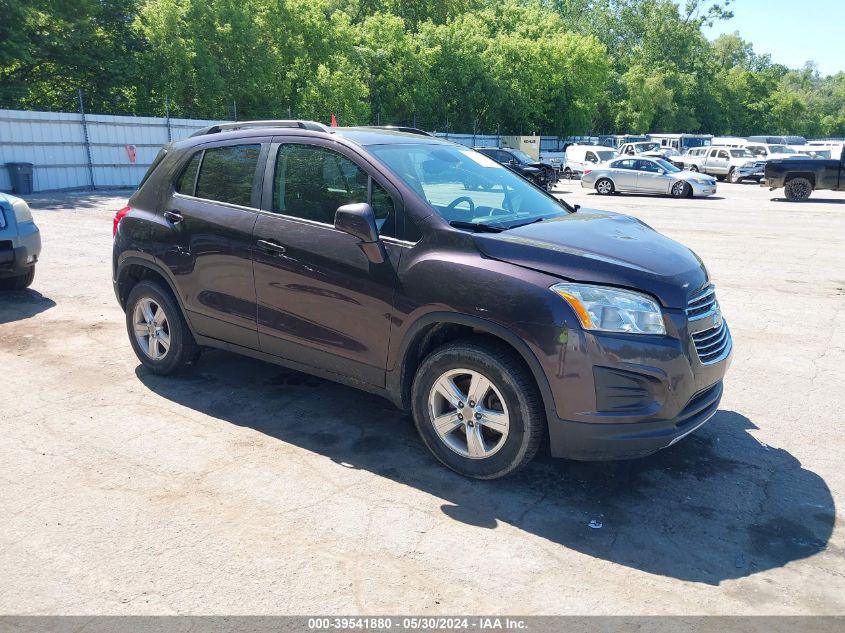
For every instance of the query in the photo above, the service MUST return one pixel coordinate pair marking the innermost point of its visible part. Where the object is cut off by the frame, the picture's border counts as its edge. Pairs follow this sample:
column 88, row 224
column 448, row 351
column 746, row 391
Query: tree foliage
column 545, row 66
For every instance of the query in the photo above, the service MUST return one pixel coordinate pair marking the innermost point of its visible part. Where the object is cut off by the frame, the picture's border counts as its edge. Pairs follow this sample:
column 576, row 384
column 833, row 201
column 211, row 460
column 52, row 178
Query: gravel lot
column 246, row 488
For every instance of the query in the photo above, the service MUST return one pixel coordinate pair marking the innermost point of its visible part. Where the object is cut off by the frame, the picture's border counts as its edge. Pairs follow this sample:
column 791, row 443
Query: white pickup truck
column 734, row 163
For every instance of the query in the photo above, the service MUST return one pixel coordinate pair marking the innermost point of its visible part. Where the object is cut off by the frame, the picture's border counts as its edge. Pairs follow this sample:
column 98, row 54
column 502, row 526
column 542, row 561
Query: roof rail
column 399, row 128
column 245, row 125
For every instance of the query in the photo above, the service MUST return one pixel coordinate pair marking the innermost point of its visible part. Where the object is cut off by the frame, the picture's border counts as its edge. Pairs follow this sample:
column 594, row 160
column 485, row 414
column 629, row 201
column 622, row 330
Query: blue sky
column 791, row 31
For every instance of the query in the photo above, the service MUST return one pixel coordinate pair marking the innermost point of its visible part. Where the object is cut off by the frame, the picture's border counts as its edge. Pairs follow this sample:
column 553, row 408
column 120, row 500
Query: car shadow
column 74, row 199
column 813, row 201
column 719, row 505
column 16, row 305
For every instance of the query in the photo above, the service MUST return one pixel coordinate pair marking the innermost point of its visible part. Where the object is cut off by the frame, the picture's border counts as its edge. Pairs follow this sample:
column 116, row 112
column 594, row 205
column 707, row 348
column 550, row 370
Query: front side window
column 227, row 173
column 741, row 153
column 466, row 187
column 592, row 158
column 647, row 165
column 723, row 154
column 311, row 182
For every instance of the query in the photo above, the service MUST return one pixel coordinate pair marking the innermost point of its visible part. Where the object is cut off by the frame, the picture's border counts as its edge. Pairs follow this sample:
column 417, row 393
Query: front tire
column 157, row 330
column 567, row 173
column 604, row 186
column 733, row 176
column 798, row 189
column 692, row 168
column 18, row 282
column 681, row 189
column 478, row 409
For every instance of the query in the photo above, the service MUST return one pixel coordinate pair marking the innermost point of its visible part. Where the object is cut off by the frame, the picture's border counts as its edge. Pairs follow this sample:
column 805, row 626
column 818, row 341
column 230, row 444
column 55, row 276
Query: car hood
column 686, row 174
column 605, row 248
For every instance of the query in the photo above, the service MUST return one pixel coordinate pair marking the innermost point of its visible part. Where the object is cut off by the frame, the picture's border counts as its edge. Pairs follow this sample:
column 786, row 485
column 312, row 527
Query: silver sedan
column 641, row 174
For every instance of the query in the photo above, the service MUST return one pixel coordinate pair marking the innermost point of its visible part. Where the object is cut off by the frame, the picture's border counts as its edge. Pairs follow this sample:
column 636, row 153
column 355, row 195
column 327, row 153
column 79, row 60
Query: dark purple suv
column 498, row 314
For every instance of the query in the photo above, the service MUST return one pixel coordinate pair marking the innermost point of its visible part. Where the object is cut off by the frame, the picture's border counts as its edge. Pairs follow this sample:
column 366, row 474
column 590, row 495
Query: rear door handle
column 174, row 217
column 269, row 246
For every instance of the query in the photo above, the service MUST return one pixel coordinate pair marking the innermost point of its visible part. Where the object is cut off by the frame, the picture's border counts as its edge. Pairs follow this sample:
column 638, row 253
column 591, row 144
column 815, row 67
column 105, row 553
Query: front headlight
column 612, row 310
column 22, row 212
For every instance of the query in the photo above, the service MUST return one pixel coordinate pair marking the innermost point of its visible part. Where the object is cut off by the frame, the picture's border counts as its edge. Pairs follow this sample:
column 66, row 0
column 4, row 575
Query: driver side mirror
column 358, row 220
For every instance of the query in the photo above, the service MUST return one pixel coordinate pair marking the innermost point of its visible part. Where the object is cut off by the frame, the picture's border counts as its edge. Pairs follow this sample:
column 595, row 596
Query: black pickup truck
column 800, row 176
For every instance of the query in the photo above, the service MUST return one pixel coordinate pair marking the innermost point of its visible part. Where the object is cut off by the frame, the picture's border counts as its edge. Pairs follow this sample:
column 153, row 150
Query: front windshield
column 465, row 186
column 780, row 149
column 795, row 140
column 665, row 164
column 741, row 153
column 646, row 147
column 605, row 155
column 522, row 157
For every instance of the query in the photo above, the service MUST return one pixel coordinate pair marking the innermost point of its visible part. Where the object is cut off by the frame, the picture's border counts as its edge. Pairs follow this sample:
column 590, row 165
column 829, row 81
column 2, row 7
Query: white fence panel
column 54, row 142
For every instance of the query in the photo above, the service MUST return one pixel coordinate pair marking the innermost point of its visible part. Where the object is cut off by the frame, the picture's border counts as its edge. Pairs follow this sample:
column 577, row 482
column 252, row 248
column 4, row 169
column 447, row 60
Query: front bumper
column 619, row 396
column 20, row 252
column 700, row 189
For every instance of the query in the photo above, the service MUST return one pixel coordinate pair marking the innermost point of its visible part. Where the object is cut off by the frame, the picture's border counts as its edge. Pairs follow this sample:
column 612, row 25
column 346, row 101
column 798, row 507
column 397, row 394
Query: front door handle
column 269, row 246
column 174, row 217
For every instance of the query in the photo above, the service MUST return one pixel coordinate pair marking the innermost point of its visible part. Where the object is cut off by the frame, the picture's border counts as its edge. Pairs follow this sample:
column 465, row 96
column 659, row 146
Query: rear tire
column 18, row 282
column 152, row 312
column 798, row 189
column 604, row 186
column 484, row 439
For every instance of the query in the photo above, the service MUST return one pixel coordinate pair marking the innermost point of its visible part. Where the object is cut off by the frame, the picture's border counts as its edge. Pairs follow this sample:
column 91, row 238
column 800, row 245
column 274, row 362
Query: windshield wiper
column 516, row 226
column 478, row 227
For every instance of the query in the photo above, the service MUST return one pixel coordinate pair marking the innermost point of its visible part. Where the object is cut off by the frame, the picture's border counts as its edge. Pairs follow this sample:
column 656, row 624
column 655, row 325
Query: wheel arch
column 133, row 270
column 435, row 329
column 800, row 174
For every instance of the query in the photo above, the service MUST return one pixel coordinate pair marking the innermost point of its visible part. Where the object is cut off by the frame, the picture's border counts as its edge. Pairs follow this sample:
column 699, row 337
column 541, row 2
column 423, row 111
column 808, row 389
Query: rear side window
column 186, row 182
column 227, row 174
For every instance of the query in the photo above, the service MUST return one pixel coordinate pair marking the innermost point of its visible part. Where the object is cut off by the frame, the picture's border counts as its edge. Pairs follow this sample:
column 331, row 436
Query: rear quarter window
column 188, row 178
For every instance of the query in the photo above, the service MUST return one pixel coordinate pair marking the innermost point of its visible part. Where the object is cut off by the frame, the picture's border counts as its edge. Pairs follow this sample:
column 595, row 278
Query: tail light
column 587, row 171
column 117, row 218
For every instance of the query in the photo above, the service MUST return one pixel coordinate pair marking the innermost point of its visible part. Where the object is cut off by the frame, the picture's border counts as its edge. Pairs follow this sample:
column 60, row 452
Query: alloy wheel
column 468, row 413
column 152, row 329
column 604, row 187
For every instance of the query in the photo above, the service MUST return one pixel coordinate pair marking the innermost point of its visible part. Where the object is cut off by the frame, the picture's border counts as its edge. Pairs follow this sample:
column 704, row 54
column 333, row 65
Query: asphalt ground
column 246, row 488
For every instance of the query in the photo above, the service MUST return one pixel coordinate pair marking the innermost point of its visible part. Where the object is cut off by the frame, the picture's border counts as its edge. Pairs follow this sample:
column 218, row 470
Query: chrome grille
column 701, row 304
column 712, row 344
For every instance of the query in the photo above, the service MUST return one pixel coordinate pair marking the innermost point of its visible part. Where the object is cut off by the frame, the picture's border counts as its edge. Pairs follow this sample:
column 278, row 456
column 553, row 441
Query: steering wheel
column 452, row 205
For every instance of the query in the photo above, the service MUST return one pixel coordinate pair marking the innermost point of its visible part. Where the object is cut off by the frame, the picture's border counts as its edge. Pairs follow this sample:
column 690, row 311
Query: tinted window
column 185, row 183
column 723, row 154
column 591, row 157
column 227, row 173
column 311, row 182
